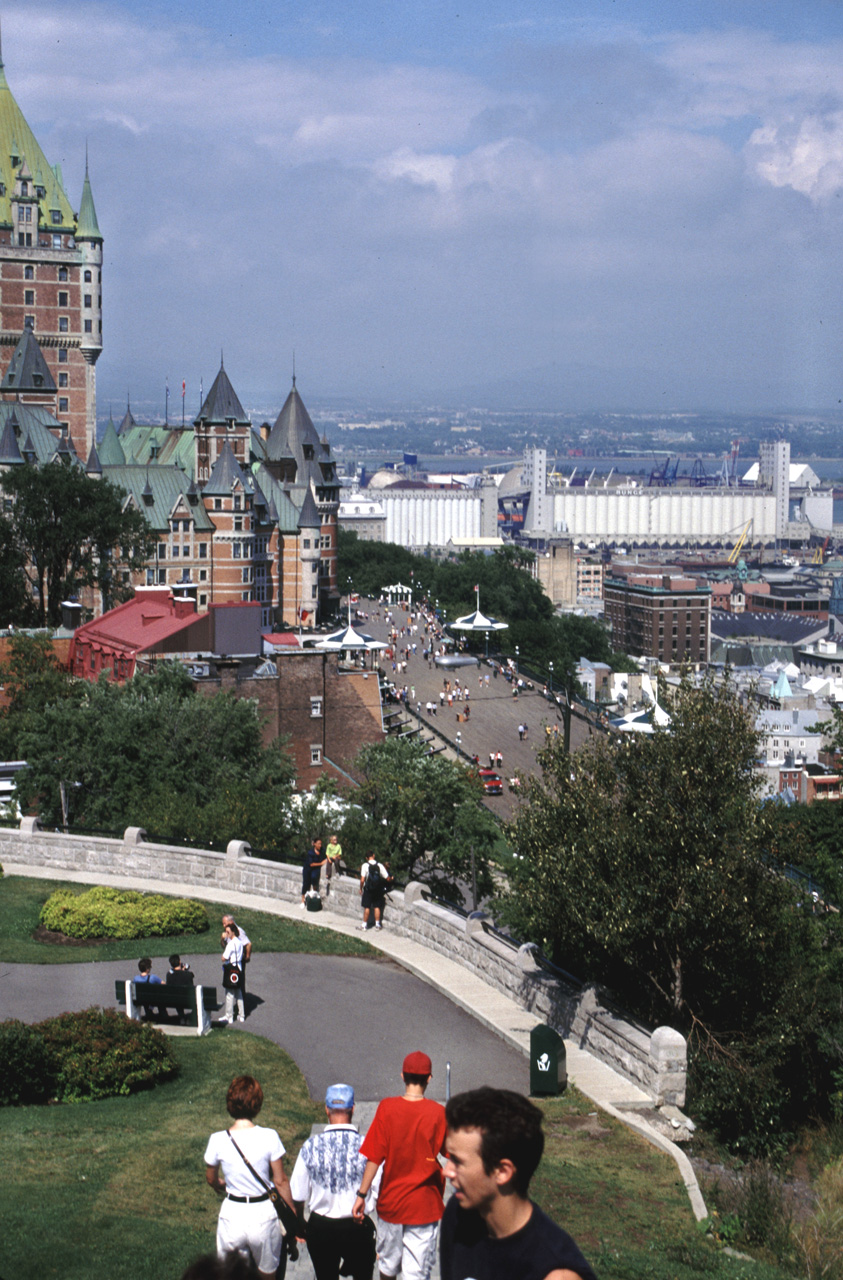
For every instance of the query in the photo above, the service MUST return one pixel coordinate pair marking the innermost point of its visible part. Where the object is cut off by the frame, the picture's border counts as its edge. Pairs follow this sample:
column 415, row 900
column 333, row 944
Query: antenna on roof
column 86, row 157
column 222, row 365
column 1, row 47
column 294, row 366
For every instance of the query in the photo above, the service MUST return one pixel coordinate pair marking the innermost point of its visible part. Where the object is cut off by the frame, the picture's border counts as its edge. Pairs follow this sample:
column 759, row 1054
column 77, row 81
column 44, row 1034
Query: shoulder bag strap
column 250, row 1167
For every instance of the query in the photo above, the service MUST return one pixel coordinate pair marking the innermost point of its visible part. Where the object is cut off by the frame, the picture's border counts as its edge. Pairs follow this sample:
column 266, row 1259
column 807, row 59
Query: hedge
column 79, row 1057
column 104, row 912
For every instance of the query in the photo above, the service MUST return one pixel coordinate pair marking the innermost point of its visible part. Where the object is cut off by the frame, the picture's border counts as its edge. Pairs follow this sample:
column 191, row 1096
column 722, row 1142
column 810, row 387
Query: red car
column 492, row 782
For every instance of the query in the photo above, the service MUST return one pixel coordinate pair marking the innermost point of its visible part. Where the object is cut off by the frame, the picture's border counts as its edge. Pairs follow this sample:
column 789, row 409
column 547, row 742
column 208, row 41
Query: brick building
column 242, row 514
column 50, row 278
column 657, row 614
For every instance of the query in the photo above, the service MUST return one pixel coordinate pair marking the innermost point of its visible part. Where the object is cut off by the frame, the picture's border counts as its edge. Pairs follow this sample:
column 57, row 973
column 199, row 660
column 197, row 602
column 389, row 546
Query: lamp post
column 550, row 664
column 517, row 652
column 348, row 582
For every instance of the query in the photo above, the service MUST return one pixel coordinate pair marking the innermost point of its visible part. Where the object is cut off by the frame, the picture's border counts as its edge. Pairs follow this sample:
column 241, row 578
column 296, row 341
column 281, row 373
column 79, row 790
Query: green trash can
column 548, row 1062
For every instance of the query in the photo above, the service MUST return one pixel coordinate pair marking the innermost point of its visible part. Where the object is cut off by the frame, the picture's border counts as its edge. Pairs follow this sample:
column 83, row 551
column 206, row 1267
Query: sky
column 558, row 204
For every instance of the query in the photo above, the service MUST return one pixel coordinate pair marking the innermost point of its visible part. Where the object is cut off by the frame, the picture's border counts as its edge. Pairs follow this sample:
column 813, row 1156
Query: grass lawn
column 21, row 900
column 623, row 1201
column 117, row 1188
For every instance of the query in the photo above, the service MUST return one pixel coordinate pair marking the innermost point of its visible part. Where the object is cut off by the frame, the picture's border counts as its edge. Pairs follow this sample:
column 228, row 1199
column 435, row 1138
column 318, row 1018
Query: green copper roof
column 34, row 425
column 18, row 145
column 165, row 485
column 110, row 450
column 87, row 227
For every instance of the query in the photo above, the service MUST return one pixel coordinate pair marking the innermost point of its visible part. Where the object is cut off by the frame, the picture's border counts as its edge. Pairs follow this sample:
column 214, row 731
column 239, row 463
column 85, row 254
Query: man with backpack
column 374, row 882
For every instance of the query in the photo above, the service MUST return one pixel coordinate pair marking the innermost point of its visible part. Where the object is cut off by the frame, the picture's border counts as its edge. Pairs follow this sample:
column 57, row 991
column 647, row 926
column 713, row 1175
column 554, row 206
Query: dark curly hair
column 510, row 1128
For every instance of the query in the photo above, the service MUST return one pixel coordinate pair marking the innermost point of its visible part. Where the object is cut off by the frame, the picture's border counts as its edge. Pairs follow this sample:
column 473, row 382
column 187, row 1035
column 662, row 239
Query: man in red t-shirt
column 406, row 1137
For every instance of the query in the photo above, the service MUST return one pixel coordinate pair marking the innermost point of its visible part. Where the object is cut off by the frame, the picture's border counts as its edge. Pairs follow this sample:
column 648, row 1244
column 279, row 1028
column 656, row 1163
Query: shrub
column 753, row 1209
column 78, row 1057
column 105, row 912
column 819, row 1241
column 100, row 1053
column 29, row 1069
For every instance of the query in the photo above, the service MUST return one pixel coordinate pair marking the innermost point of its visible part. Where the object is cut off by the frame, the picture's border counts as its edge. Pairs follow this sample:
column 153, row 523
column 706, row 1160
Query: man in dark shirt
column 314, row 860
column 491, row 1229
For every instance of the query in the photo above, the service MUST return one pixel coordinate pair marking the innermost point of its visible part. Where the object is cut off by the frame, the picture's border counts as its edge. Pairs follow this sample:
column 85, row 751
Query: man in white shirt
column 325, row 1179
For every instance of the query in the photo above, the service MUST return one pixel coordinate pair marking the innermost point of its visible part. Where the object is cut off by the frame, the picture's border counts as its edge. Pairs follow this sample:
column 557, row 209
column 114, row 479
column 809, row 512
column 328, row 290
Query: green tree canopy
column 67, row 531
column 648, row 865
column 423, row 814
column 32, row 678
column 154, row 753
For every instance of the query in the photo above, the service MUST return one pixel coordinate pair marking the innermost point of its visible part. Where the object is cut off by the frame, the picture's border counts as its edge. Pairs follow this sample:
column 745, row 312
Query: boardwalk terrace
column 658, row 615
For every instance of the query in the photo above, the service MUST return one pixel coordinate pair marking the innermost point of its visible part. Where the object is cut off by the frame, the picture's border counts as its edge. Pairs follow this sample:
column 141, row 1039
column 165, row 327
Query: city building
column 50, row 282
column 659, row 614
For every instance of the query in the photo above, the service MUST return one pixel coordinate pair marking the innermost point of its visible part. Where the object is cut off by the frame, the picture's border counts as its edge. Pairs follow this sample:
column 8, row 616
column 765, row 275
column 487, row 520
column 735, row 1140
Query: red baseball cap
column 417, row 1064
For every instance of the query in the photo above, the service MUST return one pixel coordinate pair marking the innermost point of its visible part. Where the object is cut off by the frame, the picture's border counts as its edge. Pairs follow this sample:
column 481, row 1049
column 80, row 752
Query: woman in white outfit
column 248, row 1222
column 233, row 954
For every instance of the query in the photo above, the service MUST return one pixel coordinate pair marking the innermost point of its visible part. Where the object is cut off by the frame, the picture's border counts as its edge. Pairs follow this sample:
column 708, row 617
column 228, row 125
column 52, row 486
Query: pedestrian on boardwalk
column 374, row 882
column 325, row 1179
column 499, row 759
column 521, row 732
column 406, row 1138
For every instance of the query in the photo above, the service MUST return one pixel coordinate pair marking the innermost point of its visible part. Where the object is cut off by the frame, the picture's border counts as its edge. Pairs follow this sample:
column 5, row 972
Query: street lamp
column 348, row 581
column 550, row 664
column 517, row 652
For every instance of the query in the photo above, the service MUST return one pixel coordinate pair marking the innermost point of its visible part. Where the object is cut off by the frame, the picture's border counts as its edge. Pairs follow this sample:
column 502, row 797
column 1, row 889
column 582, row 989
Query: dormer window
column 40, row 192
column 24, row 188
column 55, row 217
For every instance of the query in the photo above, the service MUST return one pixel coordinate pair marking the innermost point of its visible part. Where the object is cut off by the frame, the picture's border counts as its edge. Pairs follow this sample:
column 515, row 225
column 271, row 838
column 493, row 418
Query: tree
column 646, row 864
column 156, row 754
column 423, row 814
column 32, row 678
column 68, row 532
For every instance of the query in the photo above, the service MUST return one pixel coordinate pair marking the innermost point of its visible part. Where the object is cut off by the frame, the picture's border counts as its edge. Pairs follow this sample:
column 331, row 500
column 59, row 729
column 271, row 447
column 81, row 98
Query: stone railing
column 655, row 1061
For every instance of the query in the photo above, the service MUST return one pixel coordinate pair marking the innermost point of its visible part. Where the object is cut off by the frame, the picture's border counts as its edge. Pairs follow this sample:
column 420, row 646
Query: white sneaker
column 241, row 1019
column 364, row 927
column 301, row 904
column 377, row 926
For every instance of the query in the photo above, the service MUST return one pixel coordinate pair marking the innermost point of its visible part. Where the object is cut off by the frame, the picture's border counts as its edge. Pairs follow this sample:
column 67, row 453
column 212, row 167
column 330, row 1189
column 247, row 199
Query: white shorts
column 250, row 1228
column 410, row 1250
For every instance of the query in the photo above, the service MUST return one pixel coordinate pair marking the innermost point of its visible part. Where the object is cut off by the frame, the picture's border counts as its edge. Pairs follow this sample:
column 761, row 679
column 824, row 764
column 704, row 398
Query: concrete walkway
column 496, row 1012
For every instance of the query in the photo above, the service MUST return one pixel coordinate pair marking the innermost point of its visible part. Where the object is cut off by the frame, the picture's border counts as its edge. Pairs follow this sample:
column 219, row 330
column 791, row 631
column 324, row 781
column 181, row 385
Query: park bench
column 194, row 1004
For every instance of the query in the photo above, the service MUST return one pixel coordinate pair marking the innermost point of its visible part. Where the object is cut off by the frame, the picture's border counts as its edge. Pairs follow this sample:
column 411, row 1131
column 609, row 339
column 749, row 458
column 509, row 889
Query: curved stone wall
column 655, row 1061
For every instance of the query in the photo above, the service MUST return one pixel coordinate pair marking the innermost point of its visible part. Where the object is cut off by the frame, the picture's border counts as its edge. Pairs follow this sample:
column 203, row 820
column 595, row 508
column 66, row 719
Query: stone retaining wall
column 656, row 1061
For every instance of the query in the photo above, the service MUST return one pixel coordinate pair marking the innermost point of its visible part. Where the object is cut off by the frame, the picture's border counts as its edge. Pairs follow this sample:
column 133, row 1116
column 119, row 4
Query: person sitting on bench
column 145, row 974
column 179, row 974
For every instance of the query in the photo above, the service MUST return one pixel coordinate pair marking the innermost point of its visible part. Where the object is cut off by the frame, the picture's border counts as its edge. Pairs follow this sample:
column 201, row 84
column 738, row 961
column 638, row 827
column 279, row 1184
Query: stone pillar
column 668, row 1067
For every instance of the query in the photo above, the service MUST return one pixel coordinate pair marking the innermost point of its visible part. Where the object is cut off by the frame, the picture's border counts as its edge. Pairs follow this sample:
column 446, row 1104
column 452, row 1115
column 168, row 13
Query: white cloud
column 806, row 155
column 634, row 197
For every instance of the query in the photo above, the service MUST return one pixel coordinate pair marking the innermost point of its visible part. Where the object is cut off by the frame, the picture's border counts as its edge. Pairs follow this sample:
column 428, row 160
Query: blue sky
column 603, row 204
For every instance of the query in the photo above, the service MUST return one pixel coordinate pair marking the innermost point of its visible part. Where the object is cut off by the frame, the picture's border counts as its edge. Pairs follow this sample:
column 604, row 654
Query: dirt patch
column 588, row 1126
column 55, row 938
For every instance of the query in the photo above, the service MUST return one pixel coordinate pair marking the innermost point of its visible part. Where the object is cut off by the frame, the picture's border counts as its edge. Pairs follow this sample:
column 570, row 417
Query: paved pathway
column 371, row 1033
column 495, row 713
